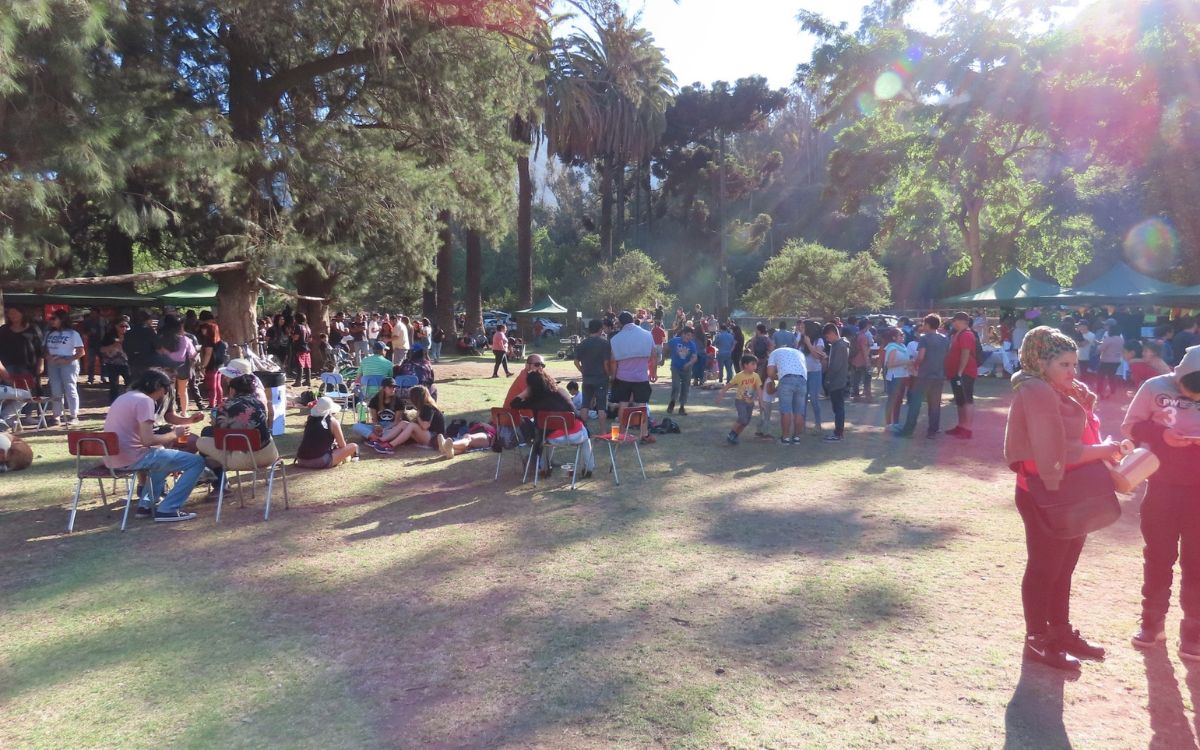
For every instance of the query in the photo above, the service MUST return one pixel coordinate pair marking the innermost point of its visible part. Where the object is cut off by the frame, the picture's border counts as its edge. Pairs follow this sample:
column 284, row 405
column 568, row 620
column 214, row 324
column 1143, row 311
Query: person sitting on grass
column 542, row 395
column 132, row 418
column 322, row 445
column 383, row 409
column 428, row 429
column 748, row 390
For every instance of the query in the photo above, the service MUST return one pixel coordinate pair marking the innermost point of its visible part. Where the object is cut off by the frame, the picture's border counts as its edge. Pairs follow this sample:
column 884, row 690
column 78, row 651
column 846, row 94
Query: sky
column 711, row 40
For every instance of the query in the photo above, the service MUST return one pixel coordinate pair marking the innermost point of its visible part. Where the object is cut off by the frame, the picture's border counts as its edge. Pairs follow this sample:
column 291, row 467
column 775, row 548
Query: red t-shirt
column 962, row 341
column 660, row 335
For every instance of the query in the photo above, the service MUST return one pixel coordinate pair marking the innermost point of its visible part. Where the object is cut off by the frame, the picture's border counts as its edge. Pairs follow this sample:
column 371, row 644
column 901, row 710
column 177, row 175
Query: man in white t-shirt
column 633, row 366
column 132, row 418
column 785, row 365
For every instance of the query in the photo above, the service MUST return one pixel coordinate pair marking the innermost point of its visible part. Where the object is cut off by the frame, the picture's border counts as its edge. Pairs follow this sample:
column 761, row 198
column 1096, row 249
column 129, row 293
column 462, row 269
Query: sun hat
column 237, row 368
column 324, row 407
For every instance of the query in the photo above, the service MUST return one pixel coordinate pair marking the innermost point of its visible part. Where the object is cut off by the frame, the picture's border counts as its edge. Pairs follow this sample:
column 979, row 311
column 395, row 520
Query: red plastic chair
column 629, row 420
column 511, row 419
column 82, row 444
column 546, row 422
column 230, row 441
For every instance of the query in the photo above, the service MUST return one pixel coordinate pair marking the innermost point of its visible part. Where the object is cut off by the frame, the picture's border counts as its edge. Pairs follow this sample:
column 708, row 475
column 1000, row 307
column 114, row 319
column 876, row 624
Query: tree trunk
column 722, row 304
column 313, row 281
column 973, row 241
column 606, row 207
column 429, row 300
column 237, row 293
column 524, row 234
column 474, row 302
column 622, row 197
column 649, row 196
column 118, row 247
column 445, row 275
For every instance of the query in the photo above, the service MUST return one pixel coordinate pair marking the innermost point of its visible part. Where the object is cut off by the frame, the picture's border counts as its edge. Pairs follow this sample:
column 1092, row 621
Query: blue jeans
column 792, row 392
column 159, row 462
column 813, row 396
column 63, row 387
column 725, row 367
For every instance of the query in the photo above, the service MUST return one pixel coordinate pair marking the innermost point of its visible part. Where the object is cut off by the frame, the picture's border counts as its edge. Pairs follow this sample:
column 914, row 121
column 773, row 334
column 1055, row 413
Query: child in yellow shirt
column 748, row 391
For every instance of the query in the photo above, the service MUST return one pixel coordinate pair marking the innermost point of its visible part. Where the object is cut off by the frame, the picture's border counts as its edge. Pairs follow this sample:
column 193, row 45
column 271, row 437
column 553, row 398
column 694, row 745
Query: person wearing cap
column 961, row 370
column 1052, row 428
column 383, row 409
column 632, row 366
column 239, row 367
column 323, row 445
column 375, row 365
column 1164, row 416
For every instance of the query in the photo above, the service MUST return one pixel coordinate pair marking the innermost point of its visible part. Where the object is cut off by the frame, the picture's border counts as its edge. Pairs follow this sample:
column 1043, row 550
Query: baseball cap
column 379, row 346
column 962, row 316
column 237, row 368
column 1190, row 362
column 625, row 318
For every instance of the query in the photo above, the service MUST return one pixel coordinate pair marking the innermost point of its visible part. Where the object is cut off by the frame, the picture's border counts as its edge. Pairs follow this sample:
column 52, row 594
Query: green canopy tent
column 1013, row 288
column 86, row 295
column 194, row 291
column 1122, row 285
column 547, row 306
column 1188, row 297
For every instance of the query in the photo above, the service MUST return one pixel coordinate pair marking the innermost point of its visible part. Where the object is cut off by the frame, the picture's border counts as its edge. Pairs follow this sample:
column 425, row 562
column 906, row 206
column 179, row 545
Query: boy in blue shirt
column 683, row 356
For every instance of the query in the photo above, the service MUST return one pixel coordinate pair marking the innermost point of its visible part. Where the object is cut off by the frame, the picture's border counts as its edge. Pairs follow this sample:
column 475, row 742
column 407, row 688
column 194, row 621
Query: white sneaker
column 445, row 447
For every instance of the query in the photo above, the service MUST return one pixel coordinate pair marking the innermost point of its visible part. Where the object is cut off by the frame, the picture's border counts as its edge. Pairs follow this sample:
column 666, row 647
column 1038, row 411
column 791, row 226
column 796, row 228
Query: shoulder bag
column 1085, row 501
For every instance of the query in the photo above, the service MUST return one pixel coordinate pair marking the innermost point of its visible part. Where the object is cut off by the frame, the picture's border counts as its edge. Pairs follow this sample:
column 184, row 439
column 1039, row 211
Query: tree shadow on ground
column 819, row 532
column 1033, row 719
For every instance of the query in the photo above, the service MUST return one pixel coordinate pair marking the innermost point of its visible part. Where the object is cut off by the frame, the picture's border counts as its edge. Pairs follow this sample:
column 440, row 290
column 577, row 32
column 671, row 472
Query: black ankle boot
column 1069, row 640
column 1041, row 648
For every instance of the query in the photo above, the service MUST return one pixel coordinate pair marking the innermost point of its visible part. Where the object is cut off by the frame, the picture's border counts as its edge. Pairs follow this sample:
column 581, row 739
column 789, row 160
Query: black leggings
column 501, row 359
column 1049, row 565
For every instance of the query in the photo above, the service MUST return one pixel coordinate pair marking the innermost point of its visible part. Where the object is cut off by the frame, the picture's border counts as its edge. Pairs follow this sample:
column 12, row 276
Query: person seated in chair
column 132, row 417
column 322, row 445
column 242, row 410
column 417, row 366
column 541, row 394
column 13, row 400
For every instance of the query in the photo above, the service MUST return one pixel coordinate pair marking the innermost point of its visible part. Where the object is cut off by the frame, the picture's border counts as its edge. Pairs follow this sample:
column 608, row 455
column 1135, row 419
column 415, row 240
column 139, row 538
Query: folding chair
column 405, row 383
column 368, row 386
column 630, row 420
column 230, row 441
column 502, row 418
column 102, row 445
column 333, row 385
column 545, row 421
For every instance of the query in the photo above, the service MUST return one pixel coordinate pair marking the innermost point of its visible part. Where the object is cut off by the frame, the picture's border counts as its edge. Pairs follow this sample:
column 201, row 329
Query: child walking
column 748, row 391
column 1165, row 417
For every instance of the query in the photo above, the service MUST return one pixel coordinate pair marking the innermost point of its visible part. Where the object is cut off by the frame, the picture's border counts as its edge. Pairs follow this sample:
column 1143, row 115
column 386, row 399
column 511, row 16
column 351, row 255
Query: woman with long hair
column 896, row 371
column 543, row 394
column 178, row 347
column 428, row 429
column 64, row 349
column 812, row 345
column 213, row 355
column 1052, row 428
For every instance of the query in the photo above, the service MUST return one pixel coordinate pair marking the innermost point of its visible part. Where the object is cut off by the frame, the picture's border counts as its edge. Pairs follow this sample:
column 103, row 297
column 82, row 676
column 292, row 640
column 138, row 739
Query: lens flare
column 888, row 85
column 867, row 103
column 1152, row 245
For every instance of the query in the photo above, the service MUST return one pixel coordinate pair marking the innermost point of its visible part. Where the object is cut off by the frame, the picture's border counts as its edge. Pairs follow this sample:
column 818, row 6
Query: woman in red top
column 500, row 350
column 1052, row 427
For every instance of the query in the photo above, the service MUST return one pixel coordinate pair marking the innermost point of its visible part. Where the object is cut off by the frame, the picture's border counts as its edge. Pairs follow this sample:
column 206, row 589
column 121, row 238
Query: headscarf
column 1041, row 345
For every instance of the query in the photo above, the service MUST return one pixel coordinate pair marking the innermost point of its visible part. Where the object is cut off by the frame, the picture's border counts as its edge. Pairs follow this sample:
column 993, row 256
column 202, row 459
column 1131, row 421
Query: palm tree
column 606, row 99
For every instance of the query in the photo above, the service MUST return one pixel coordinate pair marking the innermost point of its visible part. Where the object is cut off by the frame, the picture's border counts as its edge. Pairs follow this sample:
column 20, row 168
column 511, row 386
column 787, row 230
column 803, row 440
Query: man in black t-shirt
column 591, row 359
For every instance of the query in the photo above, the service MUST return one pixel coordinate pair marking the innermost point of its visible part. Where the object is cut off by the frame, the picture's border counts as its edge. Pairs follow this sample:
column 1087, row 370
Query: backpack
column 665, row 426
column 455, row 429
column 980, row 355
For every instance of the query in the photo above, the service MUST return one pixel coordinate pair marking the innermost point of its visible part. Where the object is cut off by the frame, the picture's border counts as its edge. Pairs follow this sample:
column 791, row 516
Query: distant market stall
column 1014, row 289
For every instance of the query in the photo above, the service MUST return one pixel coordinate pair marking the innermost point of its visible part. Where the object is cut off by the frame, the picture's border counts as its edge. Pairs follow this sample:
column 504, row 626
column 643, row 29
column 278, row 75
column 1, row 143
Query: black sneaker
column 795, row 440
column 1041, row 649
column 732, row 438
column 143, row 512
column 682, row 412
column 671, row 408
column 833, row 438
column 953, row 430
column 178, row 515
column 1069, row 640
column 784, row 441
column 1150, row 634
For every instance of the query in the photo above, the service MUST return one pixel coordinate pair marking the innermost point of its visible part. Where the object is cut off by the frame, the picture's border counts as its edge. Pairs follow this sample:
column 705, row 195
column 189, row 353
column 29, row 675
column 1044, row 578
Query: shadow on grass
column 1034, row 717
column 824, row 533
column 1169, row 725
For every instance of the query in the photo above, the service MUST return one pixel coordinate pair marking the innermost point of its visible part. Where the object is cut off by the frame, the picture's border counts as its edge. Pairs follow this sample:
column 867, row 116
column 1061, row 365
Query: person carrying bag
column 1064, row 489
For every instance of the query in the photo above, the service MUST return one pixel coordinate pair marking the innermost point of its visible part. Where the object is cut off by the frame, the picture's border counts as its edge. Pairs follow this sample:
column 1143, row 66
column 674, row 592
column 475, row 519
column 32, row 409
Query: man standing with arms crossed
column 633, row 367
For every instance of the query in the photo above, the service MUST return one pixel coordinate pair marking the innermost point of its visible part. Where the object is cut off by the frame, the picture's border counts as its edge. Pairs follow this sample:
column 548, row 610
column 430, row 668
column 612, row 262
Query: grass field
column 860, row 595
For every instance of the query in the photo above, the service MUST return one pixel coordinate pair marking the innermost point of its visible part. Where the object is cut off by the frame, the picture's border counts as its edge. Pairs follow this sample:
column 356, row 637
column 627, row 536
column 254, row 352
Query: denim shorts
column 791, row 392
column 745, row 410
